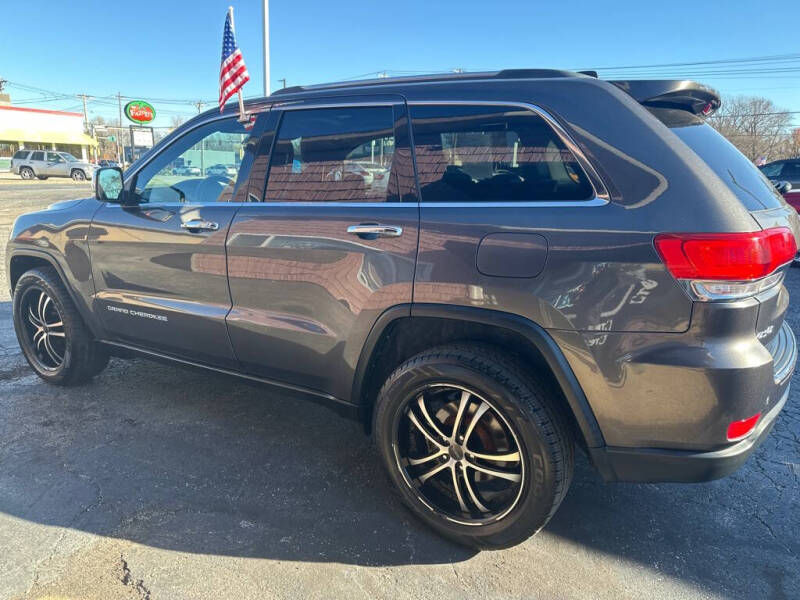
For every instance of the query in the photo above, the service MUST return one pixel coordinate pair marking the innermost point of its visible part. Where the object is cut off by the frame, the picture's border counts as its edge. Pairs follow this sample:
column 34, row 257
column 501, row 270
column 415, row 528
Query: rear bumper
column 659, row 465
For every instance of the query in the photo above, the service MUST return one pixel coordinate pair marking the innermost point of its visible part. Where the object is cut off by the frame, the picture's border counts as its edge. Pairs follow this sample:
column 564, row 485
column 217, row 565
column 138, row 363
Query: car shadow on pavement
column 203, row 463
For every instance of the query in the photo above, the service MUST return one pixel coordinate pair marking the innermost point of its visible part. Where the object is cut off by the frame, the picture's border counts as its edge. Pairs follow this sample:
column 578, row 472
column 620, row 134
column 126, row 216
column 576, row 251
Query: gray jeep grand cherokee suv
column 534, row 260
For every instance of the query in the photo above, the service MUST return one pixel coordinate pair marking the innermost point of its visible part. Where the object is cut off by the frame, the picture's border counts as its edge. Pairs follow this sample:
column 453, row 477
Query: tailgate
column 774, row 302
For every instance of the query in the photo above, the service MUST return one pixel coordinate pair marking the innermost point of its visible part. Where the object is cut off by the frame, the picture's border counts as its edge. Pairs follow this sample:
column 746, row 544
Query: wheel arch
column 22, row 261
column 402, row 331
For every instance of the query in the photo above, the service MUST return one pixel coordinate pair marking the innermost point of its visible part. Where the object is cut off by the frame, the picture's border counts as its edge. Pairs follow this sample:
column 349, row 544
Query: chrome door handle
column 371, row 231
column 200, row 225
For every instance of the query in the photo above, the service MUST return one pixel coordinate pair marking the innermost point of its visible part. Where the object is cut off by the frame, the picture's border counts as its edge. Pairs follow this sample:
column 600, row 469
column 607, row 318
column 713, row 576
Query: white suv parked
column 44, row 163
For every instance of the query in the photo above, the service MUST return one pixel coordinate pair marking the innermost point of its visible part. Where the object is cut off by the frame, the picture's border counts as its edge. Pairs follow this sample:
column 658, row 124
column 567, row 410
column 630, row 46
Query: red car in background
column 793, row 198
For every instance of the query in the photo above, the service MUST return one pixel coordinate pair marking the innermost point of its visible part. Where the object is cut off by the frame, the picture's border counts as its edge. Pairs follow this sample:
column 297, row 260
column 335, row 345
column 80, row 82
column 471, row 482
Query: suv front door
column 328, row 243
column 159, row 265
column 56, row 165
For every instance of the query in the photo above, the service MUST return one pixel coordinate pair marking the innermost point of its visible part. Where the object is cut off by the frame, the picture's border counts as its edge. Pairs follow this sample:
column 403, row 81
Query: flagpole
column 265, row 9
column 242, row 114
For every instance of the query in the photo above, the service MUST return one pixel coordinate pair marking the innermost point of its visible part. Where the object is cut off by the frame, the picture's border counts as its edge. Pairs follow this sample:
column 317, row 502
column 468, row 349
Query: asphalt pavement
column 163, row 483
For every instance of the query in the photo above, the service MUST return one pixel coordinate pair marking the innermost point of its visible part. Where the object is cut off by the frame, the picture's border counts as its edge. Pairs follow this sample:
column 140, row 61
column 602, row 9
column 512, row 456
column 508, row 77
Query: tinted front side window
column 791, row 170
column 333, row 155
column 37, row 156
column 772, row 170
column 492, row 154
column 201, row 167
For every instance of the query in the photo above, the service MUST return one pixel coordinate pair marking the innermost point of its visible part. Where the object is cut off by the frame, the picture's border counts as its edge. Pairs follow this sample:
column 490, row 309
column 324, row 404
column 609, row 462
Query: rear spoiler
column 673, row 93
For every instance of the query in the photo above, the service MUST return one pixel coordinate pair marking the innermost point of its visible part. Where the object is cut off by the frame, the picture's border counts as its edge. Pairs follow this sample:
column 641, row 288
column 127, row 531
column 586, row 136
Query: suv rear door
column 159, row 266
column 37, row 162
column 310, row 268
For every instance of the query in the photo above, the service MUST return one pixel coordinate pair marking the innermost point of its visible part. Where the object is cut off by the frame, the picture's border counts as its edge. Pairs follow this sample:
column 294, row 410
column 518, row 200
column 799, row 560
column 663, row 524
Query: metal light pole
column 265, row 7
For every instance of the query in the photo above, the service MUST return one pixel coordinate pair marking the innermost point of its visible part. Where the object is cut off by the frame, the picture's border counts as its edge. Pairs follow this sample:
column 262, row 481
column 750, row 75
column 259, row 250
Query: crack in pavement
column 128, row 579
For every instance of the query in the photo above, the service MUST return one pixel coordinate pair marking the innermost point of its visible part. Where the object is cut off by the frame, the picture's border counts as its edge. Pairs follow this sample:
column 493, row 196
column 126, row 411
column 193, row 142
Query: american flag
column 233, row 72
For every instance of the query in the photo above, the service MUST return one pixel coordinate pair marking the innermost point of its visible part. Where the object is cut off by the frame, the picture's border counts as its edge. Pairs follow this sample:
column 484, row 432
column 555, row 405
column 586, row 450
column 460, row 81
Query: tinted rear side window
column 492, row 154
column 333, row 155
column 20, row 154
column 744, row 179
column 791, row 170
column 37, row 156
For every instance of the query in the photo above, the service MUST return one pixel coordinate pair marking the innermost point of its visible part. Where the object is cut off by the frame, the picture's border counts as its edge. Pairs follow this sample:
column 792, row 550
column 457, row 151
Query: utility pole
column 283, row 81
column 84, row 97
column 199, row 105
column 265, row 7
column 119, row 133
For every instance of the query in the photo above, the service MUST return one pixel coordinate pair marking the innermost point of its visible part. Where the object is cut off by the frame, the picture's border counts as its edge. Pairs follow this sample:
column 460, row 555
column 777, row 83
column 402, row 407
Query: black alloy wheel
column 460, row 454
column 44, row 327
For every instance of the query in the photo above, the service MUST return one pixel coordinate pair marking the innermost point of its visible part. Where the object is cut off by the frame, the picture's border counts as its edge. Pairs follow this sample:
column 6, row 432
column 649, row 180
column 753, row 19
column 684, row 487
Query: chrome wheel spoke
column 462, row 406
column 428, row 474
column 475, row 418
column 39, row 308
column 53, row 325
column 424, row 410
column 457, row 488
column 424, row 459
column 428, row 435
column 472, row 495
column 33, row 318
column 494, row 472
column 60, row 334
column 48, row 346
column 509, row 457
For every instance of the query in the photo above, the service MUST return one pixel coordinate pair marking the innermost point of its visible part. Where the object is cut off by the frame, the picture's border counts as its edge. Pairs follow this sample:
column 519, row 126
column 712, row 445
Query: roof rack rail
column 501, row 74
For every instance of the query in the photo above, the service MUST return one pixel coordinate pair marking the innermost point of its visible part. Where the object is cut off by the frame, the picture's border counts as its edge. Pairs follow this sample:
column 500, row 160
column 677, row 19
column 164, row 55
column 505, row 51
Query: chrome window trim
column 524, row 204
column 601, row 195
column 343, row 104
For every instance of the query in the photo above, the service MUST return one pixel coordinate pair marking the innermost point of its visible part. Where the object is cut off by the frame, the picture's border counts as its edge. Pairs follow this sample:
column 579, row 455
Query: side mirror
column 783, row 186
column 108, row 185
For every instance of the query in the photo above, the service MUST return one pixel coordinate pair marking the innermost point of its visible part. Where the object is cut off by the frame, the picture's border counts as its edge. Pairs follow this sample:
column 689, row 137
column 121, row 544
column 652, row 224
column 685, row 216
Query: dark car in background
column 488, row 271
column 783, row 170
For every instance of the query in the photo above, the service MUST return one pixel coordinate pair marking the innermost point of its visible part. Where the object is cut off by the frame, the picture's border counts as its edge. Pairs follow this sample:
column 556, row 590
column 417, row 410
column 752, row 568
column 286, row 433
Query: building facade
column 39, row 129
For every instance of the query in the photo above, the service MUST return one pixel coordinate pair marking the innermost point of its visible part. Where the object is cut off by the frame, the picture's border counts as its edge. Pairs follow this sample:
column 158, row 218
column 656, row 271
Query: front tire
column 54, row 339
column 476, row 447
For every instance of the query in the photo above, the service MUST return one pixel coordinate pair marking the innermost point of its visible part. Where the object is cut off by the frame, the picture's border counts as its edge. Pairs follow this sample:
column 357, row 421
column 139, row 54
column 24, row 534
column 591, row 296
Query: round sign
column 139, row 111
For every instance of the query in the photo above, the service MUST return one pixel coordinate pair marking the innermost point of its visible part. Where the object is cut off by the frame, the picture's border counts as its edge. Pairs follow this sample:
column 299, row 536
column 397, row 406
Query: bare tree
column 754, row 125
column 177, row 121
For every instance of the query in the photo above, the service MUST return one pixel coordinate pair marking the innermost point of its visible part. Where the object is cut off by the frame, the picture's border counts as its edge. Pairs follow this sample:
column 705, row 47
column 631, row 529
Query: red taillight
column 739, row 429
column 726, row 256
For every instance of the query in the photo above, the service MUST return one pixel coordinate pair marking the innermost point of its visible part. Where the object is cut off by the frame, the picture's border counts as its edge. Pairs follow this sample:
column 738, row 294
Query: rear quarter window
column 741, row 176
column 498, row 153
column 20, row 154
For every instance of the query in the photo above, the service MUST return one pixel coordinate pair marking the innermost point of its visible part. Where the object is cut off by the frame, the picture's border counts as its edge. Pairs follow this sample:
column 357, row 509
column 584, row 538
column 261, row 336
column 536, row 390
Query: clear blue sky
column 171, row 48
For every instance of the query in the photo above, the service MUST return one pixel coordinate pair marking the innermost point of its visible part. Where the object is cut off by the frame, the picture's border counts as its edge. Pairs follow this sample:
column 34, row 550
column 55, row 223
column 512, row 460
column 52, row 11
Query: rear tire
column 54, row 339
column 78, row 175
column 446, row 475
column 26, row 173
